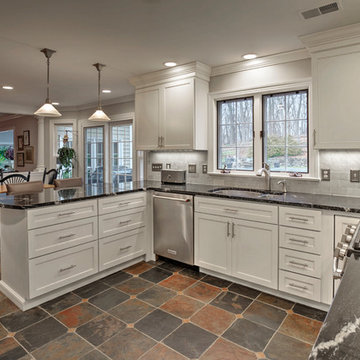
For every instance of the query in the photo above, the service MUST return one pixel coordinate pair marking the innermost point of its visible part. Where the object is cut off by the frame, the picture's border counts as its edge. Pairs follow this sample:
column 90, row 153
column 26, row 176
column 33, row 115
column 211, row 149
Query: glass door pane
column 94, row 155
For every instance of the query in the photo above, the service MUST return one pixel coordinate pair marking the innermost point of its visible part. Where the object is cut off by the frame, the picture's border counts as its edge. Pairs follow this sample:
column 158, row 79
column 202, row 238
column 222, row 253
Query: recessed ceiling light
column 8, row 87
column 106, row 91
column 55, row 103
column 249, row 56
column 170, row 63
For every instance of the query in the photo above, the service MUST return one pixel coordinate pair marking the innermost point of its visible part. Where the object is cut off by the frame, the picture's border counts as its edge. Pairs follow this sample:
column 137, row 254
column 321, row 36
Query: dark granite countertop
column 339, row 336
column 53, row 197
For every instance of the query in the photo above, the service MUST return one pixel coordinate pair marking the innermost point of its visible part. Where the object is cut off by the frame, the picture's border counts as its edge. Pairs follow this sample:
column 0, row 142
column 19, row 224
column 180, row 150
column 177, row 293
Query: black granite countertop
column 339, row 336
column 53, row 197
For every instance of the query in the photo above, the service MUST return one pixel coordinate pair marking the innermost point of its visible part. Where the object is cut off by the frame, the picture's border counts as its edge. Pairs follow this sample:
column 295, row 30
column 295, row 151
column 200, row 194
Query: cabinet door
column 212, row 243
column 255, row 253
column 147, row 117
column 178, row 122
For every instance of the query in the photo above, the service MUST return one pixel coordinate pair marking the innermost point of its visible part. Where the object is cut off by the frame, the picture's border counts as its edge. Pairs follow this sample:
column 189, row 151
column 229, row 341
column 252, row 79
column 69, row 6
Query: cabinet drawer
column 48, row 239
column 115, row 223
column 117, row 249
column 112, row 204
column 299, row 239
column 299, row 285
column 300, row 218
column 299, row 262
column 52, row 215
column 237, row 209
column 50, row 272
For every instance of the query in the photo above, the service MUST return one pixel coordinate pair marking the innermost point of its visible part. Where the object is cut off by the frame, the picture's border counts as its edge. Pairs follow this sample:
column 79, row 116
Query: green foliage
column 277, row 148
column 66, row 157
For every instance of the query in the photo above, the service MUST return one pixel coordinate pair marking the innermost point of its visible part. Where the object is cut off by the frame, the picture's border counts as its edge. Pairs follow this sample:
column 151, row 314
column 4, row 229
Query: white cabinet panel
column 212, row 243
column 117, row 249
column 121, row 202
column 255, row 253
column 53, row 238
column 300, row 218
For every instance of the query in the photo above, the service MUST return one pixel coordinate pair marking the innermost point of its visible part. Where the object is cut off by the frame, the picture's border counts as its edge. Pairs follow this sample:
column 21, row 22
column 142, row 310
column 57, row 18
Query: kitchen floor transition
column 160, row 311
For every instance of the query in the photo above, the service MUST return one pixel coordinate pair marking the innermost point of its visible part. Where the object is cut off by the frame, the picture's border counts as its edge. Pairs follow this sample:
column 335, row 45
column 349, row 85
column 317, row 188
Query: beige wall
column 19, row 125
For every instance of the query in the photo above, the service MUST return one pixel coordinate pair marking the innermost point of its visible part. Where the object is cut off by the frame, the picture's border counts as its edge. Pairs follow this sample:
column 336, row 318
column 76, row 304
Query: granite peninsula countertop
column 54, row 197
column 339, row 336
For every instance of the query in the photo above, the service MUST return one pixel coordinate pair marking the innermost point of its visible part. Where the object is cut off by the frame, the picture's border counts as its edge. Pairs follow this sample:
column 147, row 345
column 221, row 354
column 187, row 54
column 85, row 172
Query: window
column 94, row 154
column 121, row 153
column 266, row 127
column 236, row 134
column 285, row 143
column 7, row 149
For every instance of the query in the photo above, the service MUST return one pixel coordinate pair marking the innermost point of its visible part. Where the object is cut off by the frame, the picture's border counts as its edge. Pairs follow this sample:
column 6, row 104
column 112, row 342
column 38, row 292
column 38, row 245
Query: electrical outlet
column 168, row 166
column 204, row 169
column 354, row 175
column 325, row 174
column 192, row 168
column 156, row 166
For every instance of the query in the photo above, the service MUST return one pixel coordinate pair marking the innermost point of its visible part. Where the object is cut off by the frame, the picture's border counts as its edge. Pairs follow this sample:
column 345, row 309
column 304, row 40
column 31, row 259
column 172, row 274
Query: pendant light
column 99, row 114
column 47, row 110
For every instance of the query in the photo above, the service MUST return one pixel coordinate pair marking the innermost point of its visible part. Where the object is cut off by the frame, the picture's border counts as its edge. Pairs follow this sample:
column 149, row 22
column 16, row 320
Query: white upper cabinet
column 171, row 108
column 336, row 70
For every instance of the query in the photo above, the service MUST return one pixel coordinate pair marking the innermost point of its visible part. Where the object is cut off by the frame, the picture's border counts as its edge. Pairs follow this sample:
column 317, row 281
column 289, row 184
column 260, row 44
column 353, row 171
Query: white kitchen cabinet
column 212, row 243
column 171, row 111
column 254, row 251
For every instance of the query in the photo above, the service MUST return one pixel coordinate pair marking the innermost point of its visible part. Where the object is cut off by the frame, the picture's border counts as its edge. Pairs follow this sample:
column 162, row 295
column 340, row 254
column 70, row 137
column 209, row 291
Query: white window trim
column 257, row 93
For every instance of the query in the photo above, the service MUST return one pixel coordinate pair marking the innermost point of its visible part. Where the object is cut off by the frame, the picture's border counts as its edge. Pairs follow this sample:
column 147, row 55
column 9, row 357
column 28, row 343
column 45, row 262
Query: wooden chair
column 51, row 175
column 15, row 178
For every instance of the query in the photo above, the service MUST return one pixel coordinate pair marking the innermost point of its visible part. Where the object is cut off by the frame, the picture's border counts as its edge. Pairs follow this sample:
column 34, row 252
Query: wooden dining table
column 4, row 191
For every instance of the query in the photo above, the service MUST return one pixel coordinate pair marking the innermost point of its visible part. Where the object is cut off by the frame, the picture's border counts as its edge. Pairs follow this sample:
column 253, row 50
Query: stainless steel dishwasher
column 174, row 226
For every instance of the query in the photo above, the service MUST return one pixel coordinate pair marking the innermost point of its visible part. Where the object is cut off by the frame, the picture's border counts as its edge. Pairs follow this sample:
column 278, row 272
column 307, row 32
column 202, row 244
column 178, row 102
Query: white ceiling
column 136, row 36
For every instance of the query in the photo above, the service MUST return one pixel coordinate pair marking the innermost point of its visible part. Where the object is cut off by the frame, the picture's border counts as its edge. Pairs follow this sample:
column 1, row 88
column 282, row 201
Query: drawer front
column 53, row 238
column 116, row 223
column 299, row 262
column 300, row 218
column 117, row 249
column 299, row 239
column 52, row 215
column 237, row 209
column 50, row 272
column 299, row 285
column 112, row 204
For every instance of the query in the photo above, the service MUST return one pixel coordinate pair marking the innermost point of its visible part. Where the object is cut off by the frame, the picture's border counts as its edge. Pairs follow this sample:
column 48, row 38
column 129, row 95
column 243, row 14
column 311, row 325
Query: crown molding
column 260, row 62
column 179, row 72
column 332, row 39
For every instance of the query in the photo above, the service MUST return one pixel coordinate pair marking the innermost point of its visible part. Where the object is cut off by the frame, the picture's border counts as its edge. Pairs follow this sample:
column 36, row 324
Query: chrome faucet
column 283, row 183
column 266, row 170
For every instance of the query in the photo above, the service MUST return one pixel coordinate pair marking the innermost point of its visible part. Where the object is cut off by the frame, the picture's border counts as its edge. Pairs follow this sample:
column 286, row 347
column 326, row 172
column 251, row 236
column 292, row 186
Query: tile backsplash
column 340, row 162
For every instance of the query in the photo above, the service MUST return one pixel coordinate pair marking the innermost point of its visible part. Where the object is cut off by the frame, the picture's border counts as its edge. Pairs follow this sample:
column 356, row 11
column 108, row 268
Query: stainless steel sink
column 245, row 192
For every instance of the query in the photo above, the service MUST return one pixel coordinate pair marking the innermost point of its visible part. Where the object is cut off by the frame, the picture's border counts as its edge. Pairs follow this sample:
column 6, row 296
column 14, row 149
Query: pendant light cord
column 48, row 81
column 99, row 98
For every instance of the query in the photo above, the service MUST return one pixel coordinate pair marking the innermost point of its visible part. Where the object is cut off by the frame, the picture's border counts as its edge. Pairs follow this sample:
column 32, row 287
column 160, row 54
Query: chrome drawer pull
column 66, row 236
column 295, row 263
column 231, row 210
column 124, row 203
column 299, row 241
column 298, row 287
column 67, row 213
column 228, row 229
column 125, row 248
column 170, row 198
column 294, row 218
column 121, row 223
column 233, row 230
column 67, row 268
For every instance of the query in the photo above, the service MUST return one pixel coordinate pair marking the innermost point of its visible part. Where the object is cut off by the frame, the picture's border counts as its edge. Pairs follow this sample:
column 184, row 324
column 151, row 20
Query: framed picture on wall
column 20, row 160
column 20, row 142
column 27, row 138
column 29, row 155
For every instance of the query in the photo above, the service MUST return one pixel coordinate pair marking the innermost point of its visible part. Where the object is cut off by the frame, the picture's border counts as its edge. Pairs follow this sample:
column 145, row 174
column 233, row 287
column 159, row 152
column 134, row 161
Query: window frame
column 307, row 132
column 218, row 102
column 257, row 92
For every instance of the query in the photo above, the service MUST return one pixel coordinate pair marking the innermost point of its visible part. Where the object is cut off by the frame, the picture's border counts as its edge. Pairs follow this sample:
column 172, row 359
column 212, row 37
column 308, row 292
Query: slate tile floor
column 160, row 311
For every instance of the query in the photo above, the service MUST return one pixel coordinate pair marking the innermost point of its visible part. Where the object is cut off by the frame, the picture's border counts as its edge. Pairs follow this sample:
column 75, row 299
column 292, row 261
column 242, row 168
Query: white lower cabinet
column 254, row 253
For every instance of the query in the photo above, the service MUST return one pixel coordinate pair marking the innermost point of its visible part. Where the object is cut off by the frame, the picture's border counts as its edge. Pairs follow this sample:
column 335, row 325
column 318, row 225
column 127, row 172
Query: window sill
column 273, row 176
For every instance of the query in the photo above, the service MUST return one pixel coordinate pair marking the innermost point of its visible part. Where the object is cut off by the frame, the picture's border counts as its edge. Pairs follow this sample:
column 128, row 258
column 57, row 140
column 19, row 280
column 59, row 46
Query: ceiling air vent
column 322, row 10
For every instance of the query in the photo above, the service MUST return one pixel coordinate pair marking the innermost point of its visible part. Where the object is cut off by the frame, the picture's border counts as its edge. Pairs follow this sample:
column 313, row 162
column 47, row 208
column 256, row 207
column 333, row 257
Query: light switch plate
column 204, row 169
column 156, row 166
column 192, row 168
column 168, row 166
column 325, row 174
column 354, row 175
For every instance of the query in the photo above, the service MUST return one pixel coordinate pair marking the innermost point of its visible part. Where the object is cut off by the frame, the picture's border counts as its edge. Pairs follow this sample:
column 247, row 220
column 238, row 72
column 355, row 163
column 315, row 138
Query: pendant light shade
column 47, row 110
column 99, row 114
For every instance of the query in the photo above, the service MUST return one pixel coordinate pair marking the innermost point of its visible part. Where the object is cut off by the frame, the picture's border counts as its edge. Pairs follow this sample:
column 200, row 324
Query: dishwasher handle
column 171, row 198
